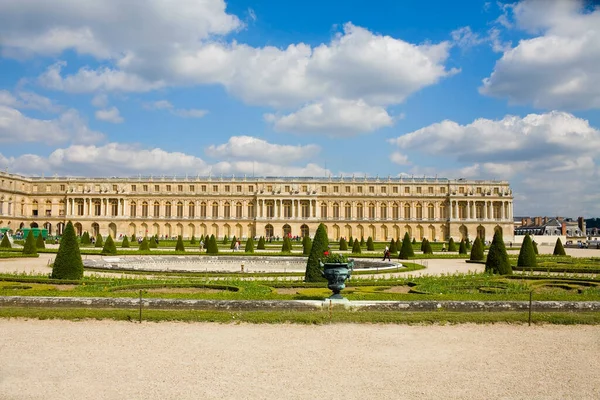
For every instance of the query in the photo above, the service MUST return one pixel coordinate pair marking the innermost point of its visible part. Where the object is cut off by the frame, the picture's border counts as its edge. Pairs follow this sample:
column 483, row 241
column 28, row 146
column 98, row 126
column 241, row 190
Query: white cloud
column 100, row 100
column 109, row 115
column 555, row 148
column 399, row 158
column 180, row 112
column 16, row 127
column 28, row 100
column 335, row 117
column 558, row 68
column 465, row 38
column 251, row 148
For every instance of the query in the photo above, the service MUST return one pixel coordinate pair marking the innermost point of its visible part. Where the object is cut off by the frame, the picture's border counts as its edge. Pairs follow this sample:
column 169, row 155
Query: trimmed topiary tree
column 423, row 245
column 477, row 250
column 462, row 247
column 68, row 263
column 468, row 243
column 362, row 241
column 351, row 241
column 212, row 247
column 85, row 239
column 286, row 246
column 39, row 243
column 319, row 245
column 225, row 239
column 29, row 246
column 193, row 240
column 144, row 245
column 306, row 245
column 393, row 247
column 125, row 243
column 109, row 246
column 343, row 244
column 179, row 246
column 527, row 254
column 497, row 258
column 5, row 243
column 451, row 245
column 153, row 242
column 370, row 244
column 559, row 250
column 249, row 245
column 535, row 249
column 428, row 249
column 356, row 247
column 261, row 243
column 406, row 250
column 99, row 241
column 133, row 238
column 414, row 241
column 233, row 242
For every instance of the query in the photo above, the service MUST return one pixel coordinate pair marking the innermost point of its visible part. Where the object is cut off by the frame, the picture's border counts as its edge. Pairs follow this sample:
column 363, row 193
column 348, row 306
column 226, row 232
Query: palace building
column 383, row 208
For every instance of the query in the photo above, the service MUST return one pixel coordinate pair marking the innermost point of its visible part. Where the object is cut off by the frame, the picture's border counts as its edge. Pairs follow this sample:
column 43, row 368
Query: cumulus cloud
column 180, row 112
column 28, row 100
column 558, row 68
column 555, row 148
column 335, row 117
column 399, row 158
column 154, row 45
column 16, row 127
column 251, row 148
column 109, row 115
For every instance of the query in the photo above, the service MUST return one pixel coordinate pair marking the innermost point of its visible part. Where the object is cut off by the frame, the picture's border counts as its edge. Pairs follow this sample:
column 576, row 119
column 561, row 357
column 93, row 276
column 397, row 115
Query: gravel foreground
column 123, row 360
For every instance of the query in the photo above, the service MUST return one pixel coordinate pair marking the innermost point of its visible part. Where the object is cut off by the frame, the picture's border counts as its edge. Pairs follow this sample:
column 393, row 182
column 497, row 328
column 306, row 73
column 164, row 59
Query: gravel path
column 121, row 360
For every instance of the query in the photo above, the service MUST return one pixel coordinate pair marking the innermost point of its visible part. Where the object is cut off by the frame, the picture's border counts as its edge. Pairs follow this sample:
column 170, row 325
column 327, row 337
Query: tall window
column 348, row 211
column 215, row 210
column 270, row 209
column 359, row 211
column 287, row 209
column 383, row 211
column 406, row 211
column 180, row 209
column 238, row 207
column 145, row 209
column 168, row 209
column 430, row 211
column 305, row 209
column 419, row 211
column 114, row 208
column 203, row 210
column 156, row 210
column 371, row 211
column 227, row 210
column 133, row 209
column 191, row 209
column 250, row 210
column 323, row 210
column 336, row 211
column 80, row 208
column 97, row 208
column 395, row 211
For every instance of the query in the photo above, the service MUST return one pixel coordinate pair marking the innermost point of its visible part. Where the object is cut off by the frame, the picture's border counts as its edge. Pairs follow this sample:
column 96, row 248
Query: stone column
column 468, row 210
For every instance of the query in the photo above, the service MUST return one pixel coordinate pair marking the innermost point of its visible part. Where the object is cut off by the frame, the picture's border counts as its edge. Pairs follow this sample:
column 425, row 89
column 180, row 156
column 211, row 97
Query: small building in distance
column 550, row 226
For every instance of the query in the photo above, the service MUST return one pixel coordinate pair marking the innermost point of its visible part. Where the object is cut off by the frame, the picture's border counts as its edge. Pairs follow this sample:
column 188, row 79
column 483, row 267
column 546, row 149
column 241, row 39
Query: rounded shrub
column 428, row 249
column 559, row 250
column 319, row 245
column 133, row 238
column 527, row 254
column 477, row 250
column 286, row 246
column 406, row 250
column 68, row 263
column 153, row 242
column 85, row 239
column 356, row 247
column 144, row 245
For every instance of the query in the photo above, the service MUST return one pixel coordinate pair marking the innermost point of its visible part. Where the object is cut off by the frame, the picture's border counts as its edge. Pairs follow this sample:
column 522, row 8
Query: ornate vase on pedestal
column 336, row 275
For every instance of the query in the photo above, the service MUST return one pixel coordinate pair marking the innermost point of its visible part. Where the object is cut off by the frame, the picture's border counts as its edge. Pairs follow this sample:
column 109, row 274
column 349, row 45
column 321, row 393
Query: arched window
column 287, row 209
column 168, row 209
column 371, row 211
column 227, row 210
column 270, row 209
column 191, row 209
column 336, row 211
column 430, row 211
column 323, row 210
column 179, row 209
column 215, row 210
column 251, row 210
column 238, row 210
column 156, row 207
column 383, row 211
column 203, row 210
column 133, row 209
column 419, row 211
column 406, row 211
column 348, row 211
column 359, row 211
column 395, row 211
column 145, row 209
column 305, row 209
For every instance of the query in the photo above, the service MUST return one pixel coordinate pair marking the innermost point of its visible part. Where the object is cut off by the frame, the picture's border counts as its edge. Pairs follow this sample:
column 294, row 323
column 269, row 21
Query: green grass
column 302, row 317
column 16, row 254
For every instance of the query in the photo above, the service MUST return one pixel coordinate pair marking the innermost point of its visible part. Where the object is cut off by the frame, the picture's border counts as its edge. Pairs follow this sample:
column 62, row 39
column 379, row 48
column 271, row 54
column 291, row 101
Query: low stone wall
column 294, row 305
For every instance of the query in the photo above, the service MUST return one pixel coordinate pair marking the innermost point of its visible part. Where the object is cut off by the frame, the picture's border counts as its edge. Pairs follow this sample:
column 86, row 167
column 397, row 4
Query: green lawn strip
column 17, row 254
column 302, row 317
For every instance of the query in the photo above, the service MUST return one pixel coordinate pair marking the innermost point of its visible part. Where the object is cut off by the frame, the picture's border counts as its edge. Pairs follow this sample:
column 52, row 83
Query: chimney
column 581, row 224
column 527, row 221
column 563, row 229
column 538, row 221
column 545, row 220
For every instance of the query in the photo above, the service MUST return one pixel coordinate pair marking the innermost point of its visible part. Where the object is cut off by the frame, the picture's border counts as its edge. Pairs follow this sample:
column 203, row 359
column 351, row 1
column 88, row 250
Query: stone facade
column 436, row 209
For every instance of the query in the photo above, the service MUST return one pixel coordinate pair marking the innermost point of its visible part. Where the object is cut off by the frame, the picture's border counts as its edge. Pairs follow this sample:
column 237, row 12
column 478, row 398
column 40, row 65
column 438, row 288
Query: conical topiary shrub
column 351, row 241
column 286, row 246
column 29, row 246
column 370, row 244
column 393, row 247
column 356, row 247
column 133, row 238
column 414, row 241
column 451, row 245
column 406, row 250
column 462, row 247
column 362, row 241
column 319, row 245
column 5, row 244
column 85, row 239
column 497, row 258
column 261, row 243
column 477, row 250
column 68, row 263
column 144, row 245
column 125, row 243
column 109, row 246
column 233, row 243
column 179, row 245
column 343, row 244
column 468, row 243
column 212, row 247
column 306, row 245
column 527, row 254
column 99, row 241
column 559, row 250
column 39, row 243
column 428, row 249
column 423, row 245
column 225, row 239
column 153, row 242
column 535, row 249
column 249, row 245
column 193, row 240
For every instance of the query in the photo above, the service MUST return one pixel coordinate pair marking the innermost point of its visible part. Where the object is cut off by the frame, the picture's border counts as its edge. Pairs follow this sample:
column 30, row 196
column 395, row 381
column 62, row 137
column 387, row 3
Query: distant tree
column 99, row 241
column 414, row 241
column 451, row 245
column 406, row 250
column 249, row 245
column 68, row 263
column 29, row 246
column 233, row 243
column 225, row 239
column 527, row 254
column 286, row 246
column 179, row 246
column 393, row 248
column 109, row 246
column 144, row 245
column 362, row 241
column 370, row 245
column 343, row 244
column 5, row 244
column 428, row 249
column 356, row 247
column 125, row 243
column 351, row 241
column 133, row 238
column 193, row 240
column 462, row 247
column 85, row 239
column 559, row 250
column 212, row 247
column 306, row 245
column 153, row 242
column 423, row 244
column 319, row 245
column 477, row 250
column 535, row 249
column 39, row 243
column 497, row 258
column 261, row 243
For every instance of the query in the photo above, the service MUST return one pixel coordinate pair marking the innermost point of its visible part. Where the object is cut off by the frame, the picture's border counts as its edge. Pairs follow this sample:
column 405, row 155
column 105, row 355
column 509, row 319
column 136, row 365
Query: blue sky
column 487, row 90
